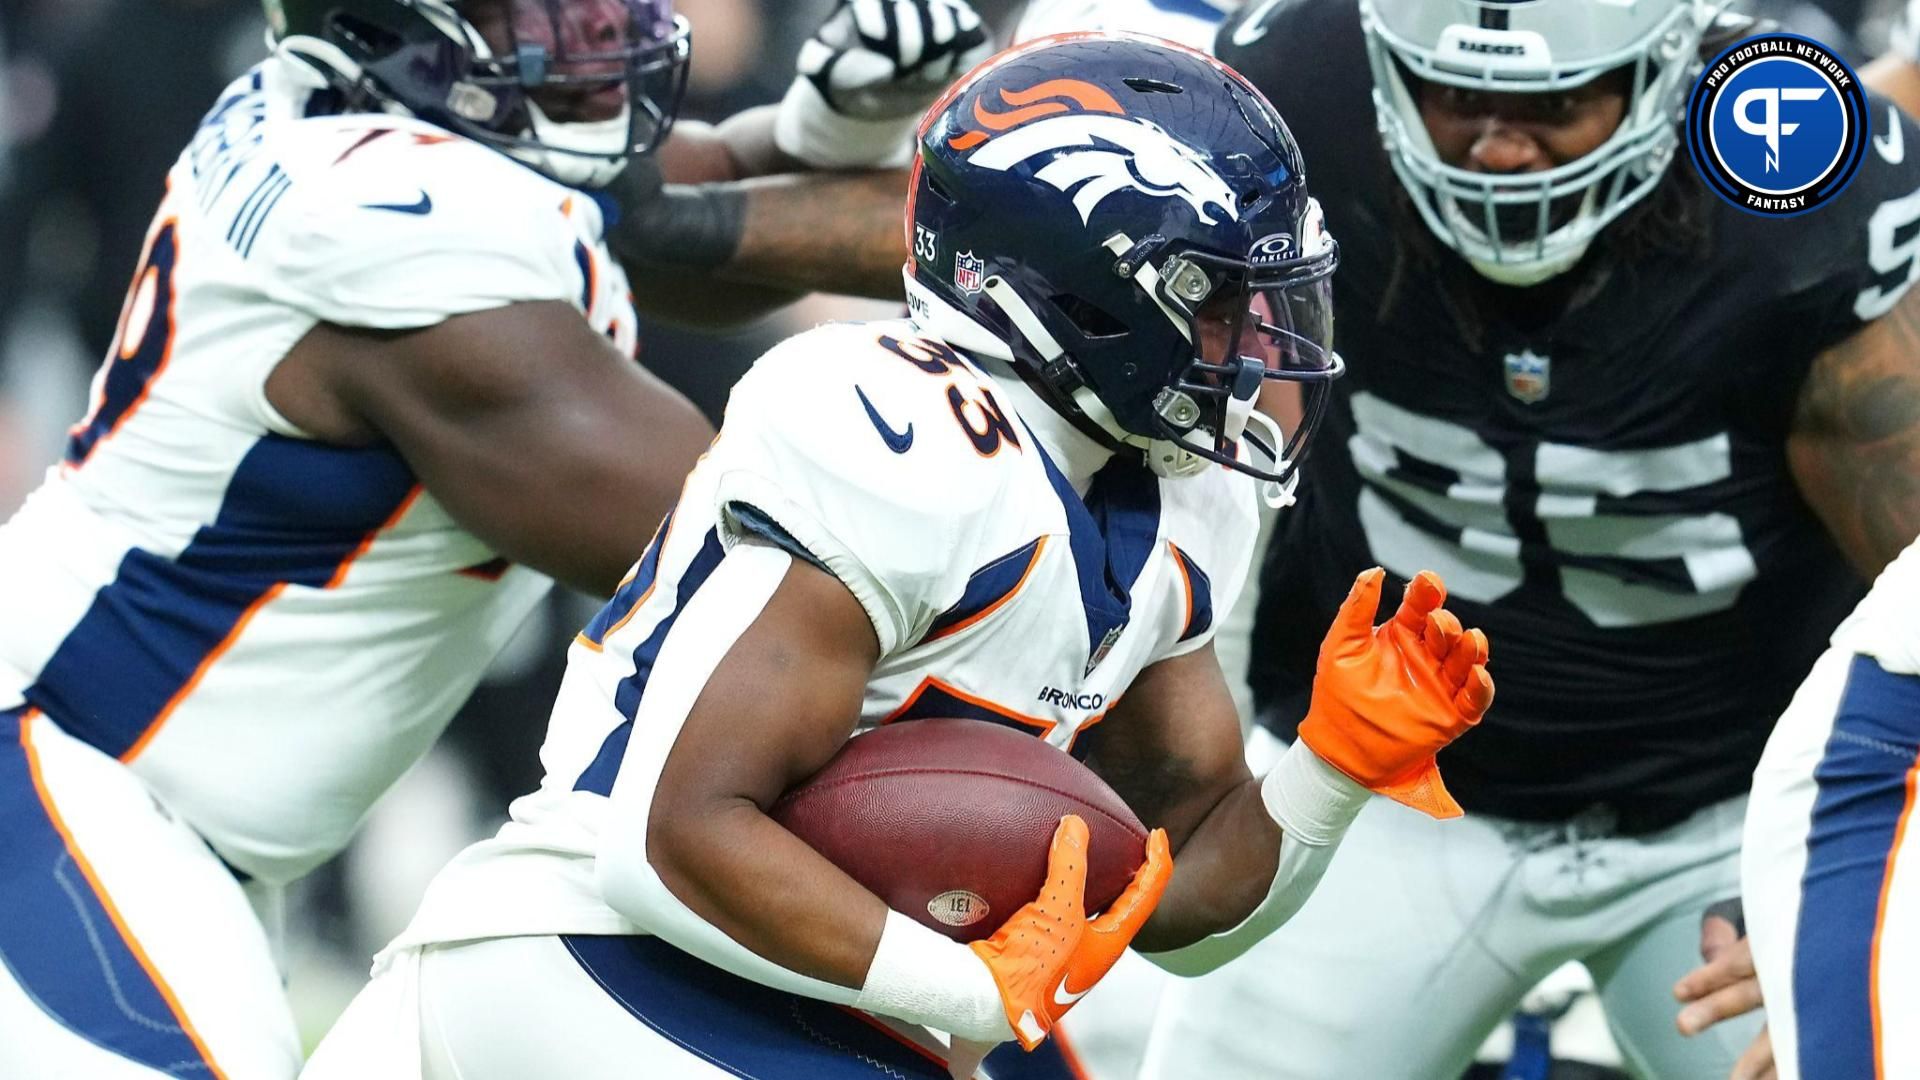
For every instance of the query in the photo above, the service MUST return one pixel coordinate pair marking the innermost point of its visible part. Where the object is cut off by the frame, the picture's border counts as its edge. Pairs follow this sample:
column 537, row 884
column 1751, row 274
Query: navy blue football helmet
column 1130, row 221
column 570, row 87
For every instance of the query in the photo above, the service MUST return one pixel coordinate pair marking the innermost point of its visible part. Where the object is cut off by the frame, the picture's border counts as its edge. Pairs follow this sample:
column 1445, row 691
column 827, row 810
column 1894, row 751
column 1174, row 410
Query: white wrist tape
column 1313, row 803
column 806, row 127
column 923, row 978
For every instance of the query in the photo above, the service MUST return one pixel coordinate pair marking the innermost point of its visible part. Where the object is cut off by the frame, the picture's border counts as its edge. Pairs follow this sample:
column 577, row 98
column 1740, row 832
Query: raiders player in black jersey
column 1654, row 446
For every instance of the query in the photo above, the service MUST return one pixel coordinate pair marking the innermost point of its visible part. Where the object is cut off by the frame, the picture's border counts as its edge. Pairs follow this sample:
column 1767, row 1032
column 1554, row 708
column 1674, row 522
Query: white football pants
column 600, row 1008
column 128, row 951
column 1832, row 875
column 1425, row 935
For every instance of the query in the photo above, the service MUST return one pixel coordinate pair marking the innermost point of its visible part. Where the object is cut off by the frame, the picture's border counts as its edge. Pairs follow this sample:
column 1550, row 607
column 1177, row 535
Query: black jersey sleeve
column 1847, row 263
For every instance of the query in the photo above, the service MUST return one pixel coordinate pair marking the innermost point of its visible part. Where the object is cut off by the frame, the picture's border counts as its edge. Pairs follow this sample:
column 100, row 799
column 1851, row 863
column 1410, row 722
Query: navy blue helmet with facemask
column 1127, row 221
column 572, row 88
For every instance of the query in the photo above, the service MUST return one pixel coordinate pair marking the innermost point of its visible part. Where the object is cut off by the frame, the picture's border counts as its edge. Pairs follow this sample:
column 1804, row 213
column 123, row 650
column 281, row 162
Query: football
column 949, row 821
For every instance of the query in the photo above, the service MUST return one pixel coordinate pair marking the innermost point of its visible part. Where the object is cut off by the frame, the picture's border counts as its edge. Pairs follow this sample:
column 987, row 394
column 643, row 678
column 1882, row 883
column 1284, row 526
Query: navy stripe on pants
column 58, row 940
column 1862, row 781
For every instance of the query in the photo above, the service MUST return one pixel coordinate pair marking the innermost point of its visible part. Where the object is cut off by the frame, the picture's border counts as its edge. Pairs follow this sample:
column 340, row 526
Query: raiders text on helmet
column 1524, row 228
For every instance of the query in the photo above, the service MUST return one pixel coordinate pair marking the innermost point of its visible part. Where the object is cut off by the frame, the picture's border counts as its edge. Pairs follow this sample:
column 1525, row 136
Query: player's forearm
column 742, row 872
column 1220, row 874
column 1306, row 805
column 708, row 253
column 824, row 232
column 738, row 147
column 765, row 906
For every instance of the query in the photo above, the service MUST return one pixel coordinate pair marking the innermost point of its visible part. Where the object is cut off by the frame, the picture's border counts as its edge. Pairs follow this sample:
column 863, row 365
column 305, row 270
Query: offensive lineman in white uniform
column 1018, row 506
column 372, row 388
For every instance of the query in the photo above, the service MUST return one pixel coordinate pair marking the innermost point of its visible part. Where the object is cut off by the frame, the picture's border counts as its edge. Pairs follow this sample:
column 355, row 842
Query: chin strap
column 1165, row 458
column 583, row 154
column 1276, row 494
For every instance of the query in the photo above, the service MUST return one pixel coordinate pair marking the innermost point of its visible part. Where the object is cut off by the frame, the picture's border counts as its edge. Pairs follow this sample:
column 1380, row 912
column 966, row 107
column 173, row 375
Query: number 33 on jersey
column 910, row 475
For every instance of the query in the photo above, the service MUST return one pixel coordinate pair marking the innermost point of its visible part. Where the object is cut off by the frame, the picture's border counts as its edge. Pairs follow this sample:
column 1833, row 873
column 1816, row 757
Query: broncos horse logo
column 1094, row 149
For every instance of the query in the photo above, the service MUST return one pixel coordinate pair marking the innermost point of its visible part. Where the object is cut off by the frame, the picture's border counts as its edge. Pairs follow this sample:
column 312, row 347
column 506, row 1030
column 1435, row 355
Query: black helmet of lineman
column 570, row 87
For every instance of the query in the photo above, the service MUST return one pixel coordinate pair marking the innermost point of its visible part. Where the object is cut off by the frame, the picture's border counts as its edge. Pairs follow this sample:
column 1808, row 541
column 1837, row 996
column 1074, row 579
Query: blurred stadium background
column 96, row 99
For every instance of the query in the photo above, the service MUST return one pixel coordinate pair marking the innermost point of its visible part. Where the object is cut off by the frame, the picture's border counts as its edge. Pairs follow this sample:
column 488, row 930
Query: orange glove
column 1048, row 954
column 1387, row 698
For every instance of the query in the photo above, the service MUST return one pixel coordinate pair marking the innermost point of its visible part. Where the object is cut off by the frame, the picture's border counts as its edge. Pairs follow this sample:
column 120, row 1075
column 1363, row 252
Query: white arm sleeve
column 716, row 616
column 1313, row 803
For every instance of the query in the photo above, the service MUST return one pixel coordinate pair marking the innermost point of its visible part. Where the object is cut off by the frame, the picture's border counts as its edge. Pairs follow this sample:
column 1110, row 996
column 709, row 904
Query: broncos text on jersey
column 996, row 589
column 266, row 629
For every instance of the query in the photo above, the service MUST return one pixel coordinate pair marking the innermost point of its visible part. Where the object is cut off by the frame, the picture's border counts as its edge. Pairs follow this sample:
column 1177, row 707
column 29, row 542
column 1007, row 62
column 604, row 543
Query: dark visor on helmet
column 571, row 57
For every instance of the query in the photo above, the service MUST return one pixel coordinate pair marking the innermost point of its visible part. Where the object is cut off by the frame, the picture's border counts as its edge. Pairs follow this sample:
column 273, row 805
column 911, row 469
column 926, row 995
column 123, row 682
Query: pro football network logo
column 1777, row 124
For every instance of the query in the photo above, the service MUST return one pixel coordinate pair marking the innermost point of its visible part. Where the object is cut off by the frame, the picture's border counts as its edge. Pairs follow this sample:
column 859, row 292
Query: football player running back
column 1640, row 431
column 372, row 390
column 1023, row 505
column 1106, row 1036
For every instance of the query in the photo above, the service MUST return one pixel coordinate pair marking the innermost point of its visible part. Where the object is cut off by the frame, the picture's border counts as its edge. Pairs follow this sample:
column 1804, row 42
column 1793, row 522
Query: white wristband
column 923, row 978
column 1311, row 801
column 806, row 127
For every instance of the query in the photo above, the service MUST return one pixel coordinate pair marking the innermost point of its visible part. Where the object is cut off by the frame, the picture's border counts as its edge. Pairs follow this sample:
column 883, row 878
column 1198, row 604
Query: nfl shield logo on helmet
column 966, row 272
column 1527, row 374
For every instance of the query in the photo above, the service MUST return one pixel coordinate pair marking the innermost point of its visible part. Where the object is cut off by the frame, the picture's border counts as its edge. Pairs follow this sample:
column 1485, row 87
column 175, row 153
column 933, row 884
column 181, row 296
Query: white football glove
column 868, row 73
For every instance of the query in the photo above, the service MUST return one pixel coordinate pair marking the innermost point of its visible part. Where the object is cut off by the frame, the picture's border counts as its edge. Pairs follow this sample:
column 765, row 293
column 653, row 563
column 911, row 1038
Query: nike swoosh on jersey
column 1894, row 146
column 1252, row 28
column 419, row 209
column 1061, row 996
column 897, row 441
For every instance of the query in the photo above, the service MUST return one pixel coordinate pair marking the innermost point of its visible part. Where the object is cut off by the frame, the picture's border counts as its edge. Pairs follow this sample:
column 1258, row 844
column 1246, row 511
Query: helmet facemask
column 572, row 88
column 572, row 58
column 1247, row 321
column 1240, row 324
column 1523, row 228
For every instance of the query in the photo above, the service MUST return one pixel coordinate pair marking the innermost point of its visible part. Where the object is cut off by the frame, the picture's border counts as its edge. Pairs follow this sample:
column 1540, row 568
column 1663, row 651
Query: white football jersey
column 1189, row 22
column 995, row 590
column 1886, row 624
column 268, row 629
